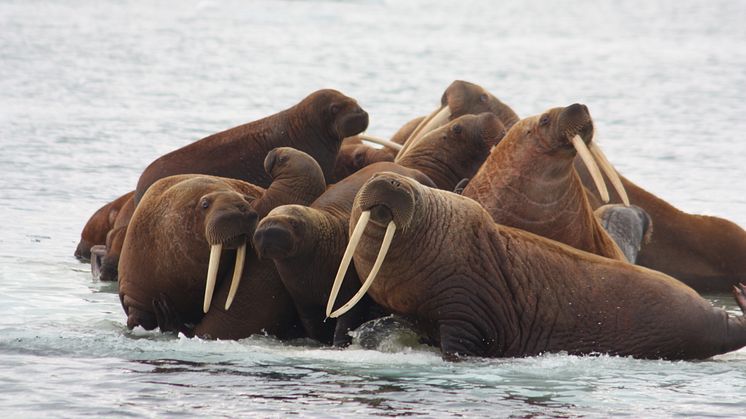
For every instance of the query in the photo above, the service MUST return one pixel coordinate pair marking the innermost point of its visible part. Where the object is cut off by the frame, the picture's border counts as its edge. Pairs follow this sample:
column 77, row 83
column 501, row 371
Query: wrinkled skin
column 316, row 126
column 307, row 244
column 482, row 289
column 98, row 226
column 354, row 154
column 630, row 227
column 707, row 253
column 529, row 182
column 165, row 256
column 455, row 151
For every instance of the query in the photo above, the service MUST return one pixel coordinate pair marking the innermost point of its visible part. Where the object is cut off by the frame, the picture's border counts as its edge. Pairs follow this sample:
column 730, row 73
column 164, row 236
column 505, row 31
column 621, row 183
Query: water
column 91, row 92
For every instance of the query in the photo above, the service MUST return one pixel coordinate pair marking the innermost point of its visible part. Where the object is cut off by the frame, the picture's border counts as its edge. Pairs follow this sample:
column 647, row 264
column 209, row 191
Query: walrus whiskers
column 386, row 143
column 237, row 272
column 212, row 274
column 590, row 163
column 357, row 233
column 388, row 236
column 611, row 173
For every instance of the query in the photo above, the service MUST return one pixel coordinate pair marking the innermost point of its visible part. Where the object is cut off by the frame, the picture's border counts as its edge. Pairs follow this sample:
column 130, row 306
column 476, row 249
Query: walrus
column 307, row 245
column 629, row 226
column 354, row 154
column 95, row 230
column 109, row 261
column 529, row 182
column 186, row 229
column 482, row 289
column 705, row 252
column 454, row 151
column 461, row 98
column 316, row 126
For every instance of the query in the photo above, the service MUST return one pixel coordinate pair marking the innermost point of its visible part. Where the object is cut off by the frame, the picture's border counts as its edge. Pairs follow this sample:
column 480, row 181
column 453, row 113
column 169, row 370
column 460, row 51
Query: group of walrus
column 495, row 236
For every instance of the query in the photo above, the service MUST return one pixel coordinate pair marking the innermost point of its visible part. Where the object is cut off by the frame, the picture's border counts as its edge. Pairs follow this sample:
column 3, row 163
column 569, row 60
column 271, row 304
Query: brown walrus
column 529, row 181
column 460, row 98
column 177, row 235
column 707, row 253
column 454, row 151
column 307, row 245
column 316, row 126
column 354, row 154
column 482, row 289
column 95, row 230
column 109, row 259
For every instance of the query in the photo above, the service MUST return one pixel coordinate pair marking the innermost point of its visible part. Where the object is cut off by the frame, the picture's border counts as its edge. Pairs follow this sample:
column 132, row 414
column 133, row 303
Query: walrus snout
column 576, row 120
column 231, row 227
column 391, row 191
column 273, row 240
column 352, row 122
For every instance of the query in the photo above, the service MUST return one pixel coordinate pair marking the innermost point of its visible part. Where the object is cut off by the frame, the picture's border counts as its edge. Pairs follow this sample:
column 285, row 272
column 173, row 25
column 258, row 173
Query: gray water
column 91, row 92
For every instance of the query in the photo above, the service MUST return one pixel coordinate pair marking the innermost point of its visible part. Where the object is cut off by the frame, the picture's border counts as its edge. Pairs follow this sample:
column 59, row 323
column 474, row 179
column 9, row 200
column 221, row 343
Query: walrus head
column 571, row 130
column 389, row 200
column 341, row 115
column 456, row 150
column 283, row 232
column 462, row 98
column 229, row 222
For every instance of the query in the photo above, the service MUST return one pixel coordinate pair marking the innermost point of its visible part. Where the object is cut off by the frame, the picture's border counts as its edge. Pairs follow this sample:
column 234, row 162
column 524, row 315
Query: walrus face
column 570, row 129
column 280, row 234
column 389, row 200
column 283, row 161
column 465, row 98
column 229, row 222
column 340, row 113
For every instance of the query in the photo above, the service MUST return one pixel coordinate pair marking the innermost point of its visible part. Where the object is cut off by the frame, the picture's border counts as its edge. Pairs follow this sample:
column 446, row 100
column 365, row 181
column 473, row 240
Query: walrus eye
column 457, row 129
column 334, row 109
column 205, row 203
column 282, row 159
column 544, row 120
column 483, row 98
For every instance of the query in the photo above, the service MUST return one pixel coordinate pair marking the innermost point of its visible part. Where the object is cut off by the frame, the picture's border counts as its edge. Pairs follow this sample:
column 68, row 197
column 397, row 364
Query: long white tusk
column 237, row 272
column 357, row 233
column 435, row 121
column 611, row 173
column 212, row 274
column 590, row 163
column 386, row 143
column 390, row 230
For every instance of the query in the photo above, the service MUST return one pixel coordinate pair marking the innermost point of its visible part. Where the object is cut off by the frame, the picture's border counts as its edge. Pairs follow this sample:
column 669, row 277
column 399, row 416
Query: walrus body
column 454, row 151
column 306, row 245
column 529, row 182
column 168, row 245
column 483, row 289
column 98, row 226
column 316, row 126
column 114, row 242
column 707, row 253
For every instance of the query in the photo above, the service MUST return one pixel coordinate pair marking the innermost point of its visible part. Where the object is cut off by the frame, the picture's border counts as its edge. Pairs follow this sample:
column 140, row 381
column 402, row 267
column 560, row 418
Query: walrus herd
column 495, row 236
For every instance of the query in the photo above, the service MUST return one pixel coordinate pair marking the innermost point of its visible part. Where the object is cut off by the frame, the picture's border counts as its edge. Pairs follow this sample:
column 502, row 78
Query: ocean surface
column 93, row 91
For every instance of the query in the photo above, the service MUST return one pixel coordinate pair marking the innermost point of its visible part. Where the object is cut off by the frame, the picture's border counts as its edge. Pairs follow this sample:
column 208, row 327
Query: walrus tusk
column 390, row 230
column 237, row 272
column 386, row 143
column 437, row 118
column 590, row 163
column 357, row 233
column 212, row 274
column 611, row 173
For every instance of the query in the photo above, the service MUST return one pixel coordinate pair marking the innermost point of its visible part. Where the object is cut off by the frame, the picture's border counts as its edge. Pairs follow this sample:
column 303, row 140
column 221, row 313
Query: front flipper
column 168, row 319
column 459, row 339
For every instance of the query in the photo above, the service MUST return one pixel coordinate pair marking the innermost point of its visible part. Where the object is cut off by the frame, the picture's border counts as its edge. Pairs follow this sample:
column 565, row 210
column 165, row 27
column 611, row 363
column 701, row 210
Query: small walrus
column 98, row 226
column 529, row 181
column 307, row 245
column 482, row 289
column 316, row 126
column 180, row 241
column 455, row 151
